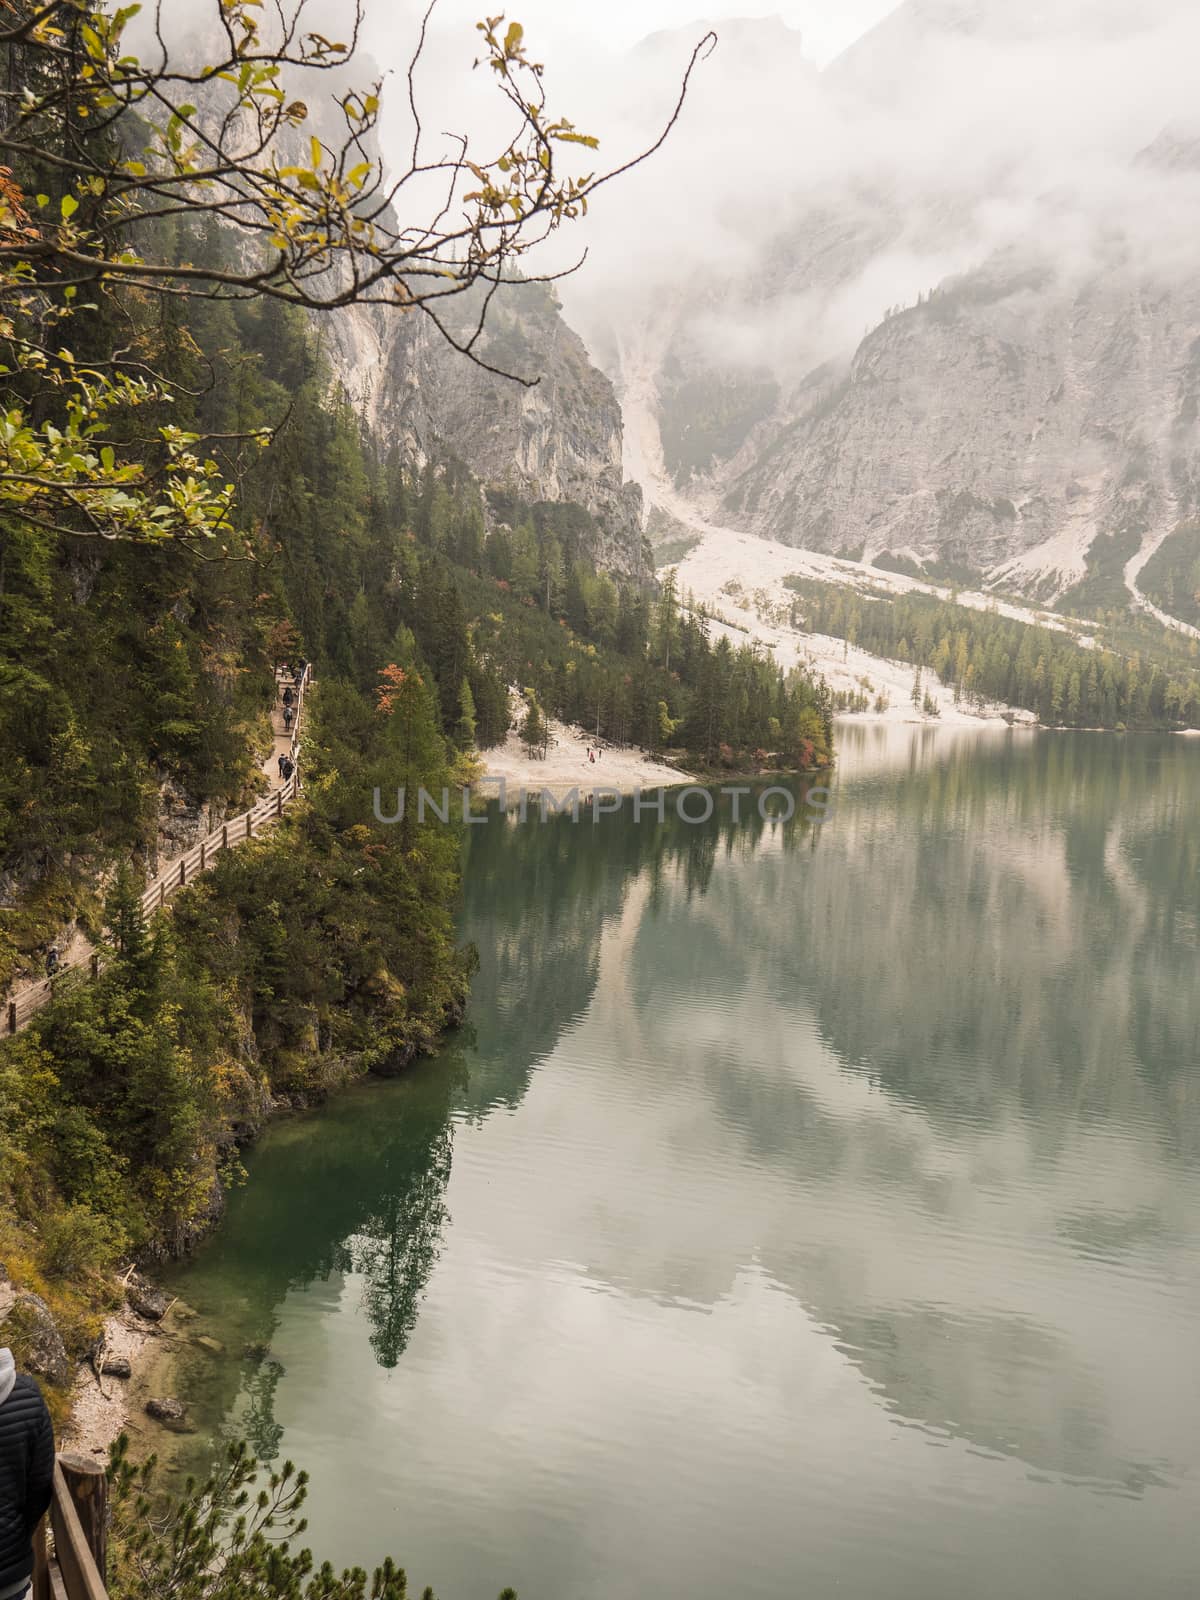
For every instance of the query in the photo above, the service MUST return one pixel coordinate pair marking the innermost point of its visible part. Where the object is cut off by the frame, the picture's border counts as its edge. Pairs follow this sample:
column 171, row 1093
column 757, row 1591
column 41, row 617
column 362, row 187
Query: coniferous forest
column 1141, row 681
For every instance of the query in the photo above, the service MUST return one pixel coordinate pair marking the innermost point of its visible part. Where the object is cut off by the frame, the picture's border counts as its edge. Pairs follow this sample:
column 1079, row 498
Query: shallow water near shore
column 806, row 1210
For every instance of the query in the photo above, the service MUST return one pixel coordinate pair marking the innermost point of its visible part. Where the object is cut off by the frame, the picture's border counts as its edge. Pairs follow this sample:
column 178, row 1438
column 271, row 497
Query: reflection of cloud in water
column 919, row 1205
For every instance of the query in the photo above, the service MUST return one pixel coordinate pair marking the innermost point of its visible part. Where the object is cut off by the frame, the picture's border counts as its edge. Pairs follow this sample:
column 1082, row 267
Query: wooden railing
column 199, row 858
column 77, row 1567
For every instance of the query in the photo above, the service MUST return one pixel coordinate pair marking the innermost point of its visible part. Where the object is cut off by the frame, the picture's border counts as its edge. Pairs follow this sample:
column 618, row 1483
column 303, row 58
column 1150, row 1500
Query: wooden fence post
column 203, row 842
column 77, row 1563
column 87, row 1484
column 183, row 872
column 41, row 1563
column 95, row 965
column 225, row 836
column 279, row 802
column 250, row 824
column 162, row 894
column 12, row 1016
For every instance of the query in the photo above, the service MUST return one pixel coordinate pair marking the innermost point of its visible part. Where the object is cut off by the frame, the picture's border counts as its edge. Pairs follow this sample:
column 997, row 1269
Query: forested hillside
column 1129, row 678
column 189, row 498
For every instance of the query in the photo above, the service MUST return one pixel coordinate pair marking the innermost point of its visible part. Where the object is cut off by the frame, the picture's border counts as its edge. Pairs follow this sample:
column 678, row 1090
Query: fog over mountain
column 1036, row 167
column 759, row 291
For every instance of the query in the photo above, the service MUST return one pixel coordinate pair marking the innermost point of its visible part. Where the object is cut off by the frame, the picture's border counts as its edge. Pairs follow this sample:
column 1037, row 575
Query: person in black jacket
column 26, row 1475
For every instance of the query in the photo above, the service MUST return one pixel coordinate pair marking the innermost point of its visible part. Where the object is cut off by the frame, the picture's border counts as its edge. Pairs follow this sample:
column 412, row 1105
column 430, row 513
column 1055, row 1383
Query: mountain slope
column 1002, row 426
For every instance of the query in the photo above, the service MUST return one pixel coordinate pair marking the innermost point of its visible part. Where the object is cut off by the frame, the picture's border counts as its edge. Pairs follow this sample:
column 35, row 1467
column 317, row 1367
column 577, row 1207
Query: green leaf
column 69, row 206
column 108, row 458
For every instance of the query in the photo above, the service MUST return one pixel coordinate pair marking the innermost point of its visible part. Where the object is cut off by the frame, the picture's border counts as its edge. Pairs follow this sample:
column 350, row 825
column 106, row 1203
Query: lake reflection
column 807, row 1210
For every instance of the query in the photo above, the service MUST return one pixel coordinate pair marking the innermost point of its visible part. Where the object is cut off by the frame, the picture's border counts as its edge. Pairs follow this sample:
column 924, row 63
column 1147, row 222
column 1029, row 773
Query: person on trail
column 51, row 969
column 26, row 1475
column 289, row 716
column 283, row 764
column 289, row 697
column 287, row 766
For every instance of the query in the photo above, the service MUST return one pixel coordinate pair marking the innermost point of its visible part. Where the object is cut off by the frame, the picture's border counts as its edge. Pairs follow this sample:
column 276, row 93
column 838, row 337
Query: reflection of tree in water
column 537, row 898
column 257, row 1421
column 359, row 1187
column 395, row 1251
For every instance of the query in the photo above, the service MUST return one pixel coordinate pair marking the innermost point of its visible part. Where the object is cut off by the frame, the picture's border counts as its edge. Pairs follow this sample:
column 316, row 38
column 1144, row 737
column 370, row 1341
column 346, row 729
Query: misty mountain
column 963, row 337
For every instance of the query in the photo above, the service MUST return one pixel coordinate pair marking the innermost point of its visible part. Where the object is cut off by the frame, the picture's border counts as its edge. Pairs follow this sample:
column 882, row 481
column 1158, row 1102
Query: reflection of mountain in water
column 538, row 897
column 926, row 1070
column 997, row 951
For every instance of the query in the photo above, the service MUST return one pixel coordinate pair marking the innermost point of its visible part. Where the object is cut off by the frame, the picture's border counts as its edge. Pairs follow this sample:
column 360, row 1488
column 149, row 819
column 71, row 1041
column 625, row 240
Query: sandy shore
column 102, row 1408
column 566, row 767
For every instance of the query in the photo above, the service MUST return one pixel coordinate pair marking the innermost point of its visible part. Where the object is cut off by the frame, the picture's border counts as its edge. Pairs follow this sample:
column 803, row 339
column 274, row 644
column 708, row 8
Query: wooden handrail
column 235, row 830
column 77, row 1570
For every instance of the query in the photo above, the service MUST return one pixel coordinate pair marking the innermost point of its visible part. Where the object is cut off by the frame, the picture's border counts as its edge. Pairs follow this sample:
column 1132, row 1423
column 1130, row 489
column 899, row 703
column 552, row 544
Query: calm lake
column 806, row 1211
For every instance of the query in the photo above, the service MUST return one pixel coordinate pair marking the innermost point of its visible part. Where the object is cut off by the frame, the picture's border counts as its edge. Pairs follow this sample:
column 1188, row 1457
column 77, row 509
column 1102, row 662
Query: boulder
column 213, row 1346
column 166, row 1410
column 115, row 1367
column 29, row 1326
column 146, row 1300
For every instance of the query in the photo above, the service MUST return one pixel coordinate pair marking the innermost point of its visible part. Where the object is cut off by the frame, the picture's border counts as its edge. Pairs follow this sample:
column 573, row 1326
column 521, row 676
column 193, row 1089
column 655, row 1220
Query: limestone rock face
column 559, row 440
column 996, row 418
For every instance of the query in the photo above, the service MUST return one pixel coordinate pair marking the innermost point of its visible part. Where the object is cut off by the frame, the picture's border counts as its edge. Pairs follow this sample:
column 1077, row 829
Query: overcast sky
column 792, row 207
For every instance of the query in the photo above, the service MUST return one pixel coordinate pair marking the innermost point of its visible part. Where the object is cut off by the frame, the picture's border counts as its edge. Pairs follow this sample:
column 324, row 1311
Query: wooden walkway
column 22, row 1006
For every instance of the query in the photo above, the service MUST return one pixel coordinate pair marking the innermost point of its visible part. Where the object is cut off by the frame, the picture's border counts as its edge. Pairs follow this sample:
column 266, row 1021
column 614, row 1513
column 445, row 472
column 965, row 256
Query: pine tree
column 534, row 730
column 465, row 732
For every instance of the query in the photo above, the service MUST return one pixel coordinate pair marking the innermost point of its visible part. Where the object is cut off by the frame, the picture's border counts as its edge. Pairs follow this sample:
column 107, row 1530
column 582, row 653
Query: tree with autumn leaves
column 116, row 164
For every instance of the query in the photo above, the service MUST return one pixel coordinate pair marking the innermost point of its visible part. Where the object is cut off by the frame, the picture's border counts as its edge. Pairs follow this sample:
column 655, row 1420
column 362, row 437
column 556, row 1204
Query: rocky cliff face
column 1001, row 426
column 559, row 440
